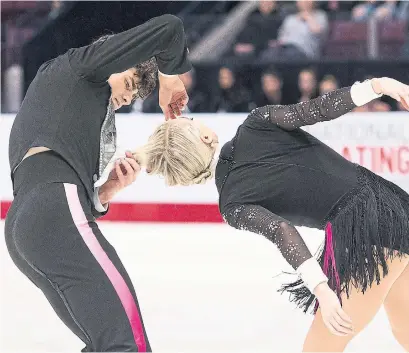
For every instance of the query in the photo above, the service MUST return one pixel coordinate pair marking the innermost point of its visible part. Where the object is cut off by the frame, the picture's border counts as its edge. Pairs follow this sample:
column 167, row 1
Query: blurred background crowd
column 245, row 53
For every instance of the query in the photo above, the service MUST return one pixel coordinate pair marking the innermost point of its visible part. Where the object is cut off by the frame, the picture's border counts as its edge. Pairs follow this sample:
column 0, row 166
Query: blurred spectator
column 56, row 8
column 150, row 104
column 392, row 9
column 261, row 26
column 361, row 109
column 401, row 108
column 328, row 84
column 375, row 106
column 271, row 85
column 307, row 85
column 382, row 10
column 379, row 106
column 197, row 100
column 387, row 10
column 301, row 34
column 402, row 12
column 363, row 11
column 231, row 97
column 405, row 48
column 337, row 8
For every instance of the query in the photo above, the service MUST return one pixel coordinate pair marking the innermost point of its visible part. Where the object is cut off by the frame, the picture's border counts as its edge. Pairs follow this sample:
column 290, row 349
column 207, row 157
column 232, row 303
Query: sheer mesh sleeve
column 330, row 106
column 258, row 220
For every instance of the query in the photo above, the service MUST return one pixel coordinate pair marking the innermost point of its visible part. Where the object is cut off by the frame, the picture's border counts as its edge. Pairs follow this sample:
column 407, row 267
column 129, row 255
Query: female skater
column 62, row 139
column 273, row 176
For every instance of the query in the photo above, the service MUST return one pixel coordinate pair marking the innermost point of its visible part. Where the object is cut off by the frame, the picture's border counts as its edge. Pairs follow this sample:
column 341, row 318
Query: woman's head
column 181, row 150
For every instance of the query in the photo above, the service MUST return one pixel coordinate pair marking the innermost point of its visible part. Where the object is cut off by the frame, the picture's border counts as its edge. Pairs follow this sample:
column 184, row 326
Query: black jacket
column 66, row 104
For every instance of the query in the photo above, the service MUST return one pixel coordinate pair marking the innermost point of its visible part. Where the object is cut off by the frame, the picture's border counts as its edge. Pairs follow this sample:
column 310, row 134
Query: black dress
column 273, row 176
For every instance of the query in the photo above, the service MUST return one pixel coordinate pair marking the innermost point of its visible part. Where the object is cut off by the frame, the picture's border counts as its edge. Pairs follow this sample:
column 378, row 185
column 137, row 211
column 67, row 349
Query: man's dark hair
column 147, row 72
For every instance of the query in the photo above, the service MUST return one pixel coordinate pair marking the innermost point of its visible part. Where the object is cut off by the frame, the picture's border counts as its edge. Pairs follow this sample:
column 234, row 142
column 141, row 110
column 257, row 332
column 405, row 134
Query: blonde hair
column 176, row 151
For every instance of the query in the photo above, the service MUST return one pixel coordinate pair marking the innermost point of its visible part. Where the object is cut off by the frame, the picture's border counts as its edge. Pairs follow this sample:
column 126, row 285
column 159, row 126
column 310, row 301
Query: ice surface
column 201, row 287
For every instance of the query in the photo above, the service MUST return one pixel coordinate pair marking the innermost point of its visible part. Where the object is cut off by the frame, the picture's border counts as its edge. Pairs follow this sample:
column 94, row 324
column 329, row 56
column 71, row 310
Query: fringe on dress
column 367, row 227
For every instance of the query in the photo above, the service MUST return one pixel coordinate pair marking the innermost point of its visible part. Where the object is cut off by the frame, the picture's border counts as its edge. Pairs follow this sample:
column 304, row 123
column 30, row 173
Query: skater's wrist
column 365, row 92
column 100, row 203
column 106, row 194
column 311, row 274
column 321, row 289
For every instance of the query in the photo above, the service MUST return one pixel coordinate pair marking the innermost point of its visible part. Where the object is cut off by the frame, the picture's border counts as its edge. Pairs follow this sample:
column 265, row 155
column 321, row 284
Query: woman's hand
column 392, row 88
column 124, row 174
column 334, row 317
column 172, row 96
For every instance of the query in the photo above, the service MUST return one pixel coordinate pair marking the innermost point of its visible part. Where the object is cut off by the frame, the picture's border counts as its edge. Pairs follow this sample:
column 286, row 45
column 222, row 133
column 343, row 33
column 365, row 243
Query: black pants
column 53, row 239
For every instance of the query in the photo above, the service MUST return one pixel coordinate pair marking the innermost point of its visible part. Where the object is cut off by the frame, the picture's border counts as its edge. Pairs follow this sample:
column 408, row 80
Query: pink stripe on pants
column 100, row 255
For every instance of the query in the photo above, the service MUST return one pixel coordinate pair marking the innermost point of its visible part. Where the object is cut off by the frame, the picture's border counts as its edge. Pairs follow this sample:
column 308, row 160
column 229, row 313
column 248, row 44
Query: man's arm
column 162, row 37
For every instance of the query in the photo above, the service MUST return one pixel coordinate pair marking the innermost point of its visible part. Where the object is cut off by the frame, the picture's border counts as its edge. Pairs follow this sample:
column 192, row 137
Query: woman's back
column 290, row 173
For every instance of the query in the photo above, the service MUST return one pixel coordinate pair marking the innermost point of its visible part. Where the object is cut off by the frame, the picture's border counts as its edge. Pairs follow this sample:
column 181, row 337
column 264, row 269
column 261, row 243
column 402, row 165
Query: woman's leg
column 360, row 307
column 60, row 248
column 397, row 308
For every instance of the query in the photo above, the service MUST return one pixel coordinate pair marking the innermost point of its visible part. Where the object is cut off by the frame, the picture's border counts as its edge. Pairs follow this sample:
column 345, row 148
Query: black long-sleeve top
column 273, row 175
column 67, row 102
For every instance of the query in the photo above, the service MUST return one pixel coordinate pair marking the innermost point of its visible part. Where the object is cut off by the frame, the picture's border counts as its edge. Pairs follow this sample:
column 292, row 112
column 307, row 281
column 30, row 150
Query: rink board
column 378, row 141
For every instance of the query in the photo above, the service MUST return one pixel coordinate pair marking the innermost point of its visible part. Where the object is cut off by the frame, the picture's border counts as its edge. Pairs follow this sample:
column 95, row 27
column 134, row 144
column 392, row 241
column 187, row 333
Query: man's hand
column 172, row 96
column 124, row 174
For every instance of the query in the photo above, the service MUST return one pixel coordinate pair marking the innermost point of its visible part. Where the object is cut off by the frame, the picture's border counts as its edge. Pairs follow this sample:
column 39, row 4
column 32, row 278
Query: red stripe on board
column 153, row 212
column 4, row 207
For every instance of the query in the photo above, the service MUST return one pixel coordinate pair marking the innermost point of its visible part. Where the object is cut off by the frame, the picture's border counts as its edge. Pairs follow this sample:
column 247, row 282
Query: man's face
column 123, row 87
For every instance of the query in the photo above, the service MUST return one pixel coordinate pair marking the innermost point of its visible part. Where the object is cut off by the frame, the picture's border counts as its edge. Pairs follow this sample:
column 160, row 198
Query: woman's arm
column 258, row 220
column 162, row 37
column 331, row 105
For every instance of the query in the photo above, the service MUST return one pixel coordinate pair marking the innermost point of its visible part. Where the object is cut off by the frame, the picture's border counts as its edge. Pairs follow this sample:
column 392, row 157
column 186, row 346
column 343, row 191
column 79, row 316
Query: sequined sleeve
column 258, row 220
column 330, row 106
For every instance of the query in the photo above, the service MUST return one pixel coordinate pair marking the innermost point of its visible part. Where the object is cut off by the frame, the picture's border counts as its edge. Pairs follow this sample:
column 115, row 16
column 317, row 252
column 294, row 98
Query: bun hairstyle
column 176, row 152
